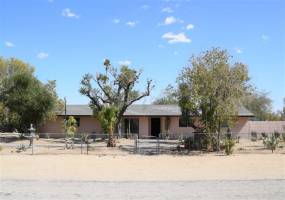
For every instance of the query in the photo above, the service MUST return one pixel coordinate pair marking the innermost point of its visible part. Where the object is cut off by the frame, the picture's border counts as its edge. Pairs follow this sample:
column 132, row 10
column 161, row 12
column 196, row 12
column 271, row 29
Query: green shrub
column 271, row 142
column 264, row 135
column 276, row 134
column 189, row 143
column 228, row 146
column 283, row 137
column 1, row 148
column 70, row 127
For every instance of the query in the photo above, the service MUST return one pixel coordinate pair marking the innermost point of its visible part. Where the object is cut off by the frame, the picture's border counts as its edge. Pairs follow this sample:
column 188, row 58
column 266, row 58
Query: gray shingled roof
column 139, row 110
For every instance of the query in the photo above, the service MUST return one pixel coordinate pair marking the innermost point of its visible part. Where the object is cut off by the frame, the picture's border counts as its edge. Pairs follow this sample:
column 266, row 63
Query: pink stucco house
column 145, row 120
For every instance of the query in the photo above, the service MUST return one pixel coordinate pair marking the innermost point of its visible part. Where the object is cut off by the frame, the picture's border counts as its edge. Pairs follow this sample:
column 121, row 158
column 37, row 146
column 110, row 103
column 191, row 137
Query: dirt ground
column 252, row 172
column 52, row 161
column 142, row 168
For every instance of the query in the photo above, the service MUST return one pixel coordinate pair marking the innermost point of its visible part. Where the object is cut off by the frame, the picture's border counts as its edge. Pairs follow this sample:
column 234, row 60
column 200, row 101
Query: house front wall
column 90, row 125
column 54, row 128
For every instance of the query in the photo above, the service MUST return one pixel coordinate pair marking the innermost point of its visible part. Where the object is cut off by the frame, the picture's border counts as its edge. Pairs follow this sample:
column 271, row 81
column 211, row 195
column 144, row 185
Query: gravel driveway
column 222, row 190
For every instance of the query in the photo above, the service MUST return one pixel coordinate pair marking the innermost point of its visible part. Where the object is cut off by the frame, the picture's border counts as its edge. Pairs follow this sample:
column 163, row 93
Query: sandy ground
column 142, row 168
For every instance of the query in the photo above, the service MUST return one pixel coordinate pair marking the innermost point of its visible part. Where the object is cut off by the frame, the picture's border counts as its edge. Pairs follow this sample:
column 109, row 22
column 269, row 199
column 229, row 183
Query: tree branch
column 145, row 94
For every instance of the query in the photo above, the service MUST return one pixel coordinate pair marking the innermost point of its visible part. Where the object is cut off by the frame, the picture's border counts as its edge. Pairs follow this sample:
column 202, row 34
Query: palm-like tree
column 107, row 119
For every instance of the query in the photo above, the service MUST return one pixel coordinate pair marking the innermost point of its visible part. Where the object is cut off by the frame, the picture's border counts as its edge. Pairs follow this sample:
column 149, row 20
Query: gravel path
column 222, row 190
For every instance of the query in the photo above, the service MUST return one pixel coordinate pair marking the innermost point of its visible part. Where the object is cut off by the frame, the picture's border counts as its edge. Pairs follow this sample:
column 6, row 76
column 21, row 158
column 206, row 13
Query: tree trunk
column 119, row 125
column 111, row 140
column 219, row 131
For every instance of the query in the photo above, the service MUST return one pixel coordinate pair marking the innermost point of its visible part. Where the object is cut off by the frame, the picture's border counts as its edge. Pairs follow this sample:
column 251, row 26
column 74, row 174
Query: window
column 131, row 125
column 77, row 121
column 183, row 122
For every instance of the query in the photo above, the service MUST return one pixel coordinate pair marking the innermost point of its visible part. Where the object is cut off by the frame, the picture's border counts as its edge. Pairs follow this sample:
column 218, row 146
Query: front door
column 155, row 127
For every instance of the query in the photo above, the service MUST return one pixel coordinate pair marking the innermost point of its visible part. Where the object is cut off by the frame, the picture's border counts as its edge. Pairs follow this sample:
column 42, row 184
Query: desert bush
column 205, row 141
column 277, row 134
column 70, row 126
column 70, row 129
column 1, row 148
column 264, row 135
column 189, row 143
column 228, row 145
column 283, row 137
column 271, row 142
column 253, row 136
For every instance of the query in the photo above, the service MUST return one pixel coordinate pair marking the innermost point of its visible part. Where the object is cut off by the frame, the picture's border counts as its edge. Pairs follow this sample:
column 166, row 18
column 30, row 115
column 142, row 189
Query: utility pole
column 65, row 120
column 65, row 109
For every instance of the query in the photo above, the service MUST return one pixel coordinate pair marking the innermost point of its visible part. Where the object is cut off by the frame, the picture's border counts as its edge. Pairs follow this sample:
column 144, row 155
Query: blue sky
column 64, row 39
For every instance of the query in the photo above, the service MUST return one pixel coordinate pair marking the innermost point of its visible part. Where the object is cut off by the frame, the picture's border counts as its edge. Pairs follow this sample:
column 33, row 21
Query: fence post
column 87, row 146
column 158, row 145
column 136, row 143
column 81, row 143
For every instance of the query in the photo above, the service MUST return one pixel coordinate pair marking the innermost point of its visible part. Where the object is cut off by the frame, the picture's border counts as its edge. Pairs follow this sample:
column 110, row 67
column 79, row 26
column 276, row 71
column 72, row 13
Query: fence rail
column 84, row 143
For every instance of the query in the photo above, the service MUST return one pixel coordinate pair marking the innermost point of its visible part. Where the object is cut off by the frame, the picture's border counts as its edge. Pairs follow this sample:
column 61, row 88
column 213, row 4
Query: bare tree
column 114, row 88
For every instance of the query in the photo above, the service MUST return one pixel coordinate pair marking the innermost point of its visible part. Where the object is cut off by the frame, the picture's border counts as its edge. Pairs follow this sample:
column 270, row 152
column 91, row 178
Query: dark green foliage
column 24, row 99
column 205, row 141
column 276, row 134
column 211, row 88
column 264, row 135
column 189, row 143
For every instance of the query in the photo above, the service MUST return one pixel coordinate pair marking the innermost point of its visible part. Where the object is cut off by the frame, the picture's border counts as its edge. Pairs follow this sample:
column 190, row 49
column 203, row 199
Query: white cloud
column 189, row 26
column 68, row 13
column 264, row 37
column 131, row 23
column 172, row 20
column 42, row 55
column 167, row 10
column 116, row 21
column 145, row 7
column 238, row 50
column 160, row 46
column 175, row 53
column 124, row 62
column 176, row 38
column 9, row 44
column 51, row 1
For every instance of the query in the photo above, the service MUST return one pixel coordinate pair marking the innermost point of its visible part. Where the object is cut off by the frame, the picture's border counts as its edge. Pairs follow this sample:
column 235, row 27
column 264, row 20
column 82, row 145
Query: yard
column 126, row 147
column 252, row 172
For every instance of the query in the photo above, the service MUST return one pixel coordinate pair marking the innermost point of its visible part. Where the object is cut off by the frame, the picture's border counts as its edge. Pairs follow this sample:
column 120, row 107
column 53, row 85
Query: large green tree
column 114, row 88
column 212, row 88
column 23, row 98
